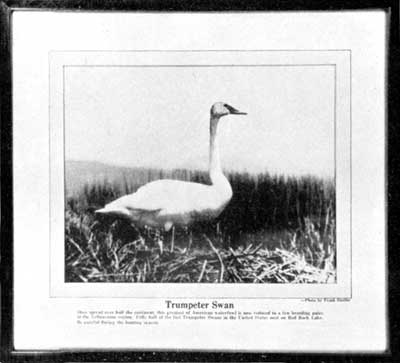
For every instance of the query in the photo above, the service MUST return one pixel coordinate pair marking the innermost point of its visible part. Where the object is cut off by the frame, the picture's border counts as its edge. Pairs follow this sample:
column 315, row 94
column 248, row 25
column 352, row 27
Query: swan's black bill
column 234, row 111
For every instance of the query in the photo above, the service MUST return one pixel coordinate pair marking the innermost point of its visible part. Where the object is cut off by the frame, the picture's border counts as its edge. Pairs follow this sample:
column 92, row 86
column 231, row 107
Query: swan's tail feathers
column 93, row 208
column 101, row 211
column 115, row 212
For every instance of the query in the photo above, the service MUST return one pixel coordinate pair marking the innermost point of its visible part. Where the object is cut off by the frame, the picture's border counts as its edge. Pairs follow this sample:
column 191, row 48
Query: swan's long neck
column 215, row 162
column 218, row 179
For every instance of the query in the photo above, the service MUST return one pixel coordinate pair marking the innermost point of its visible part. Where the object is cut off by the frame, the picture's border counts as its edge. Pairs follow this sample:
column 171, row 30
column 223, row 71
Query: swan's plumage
column 164, row 203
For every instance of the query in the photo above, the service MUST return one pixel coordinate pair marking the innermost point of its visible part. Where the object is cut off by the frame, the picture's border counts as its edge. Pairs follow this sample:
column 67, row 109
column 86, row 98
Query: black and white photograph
column 200, row 173
column 191, row 182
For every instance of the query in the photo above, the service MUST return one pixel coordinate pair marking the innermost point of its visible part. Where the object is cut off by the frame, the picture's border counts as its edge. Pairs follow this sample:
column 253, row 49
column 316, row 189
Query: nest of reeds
column 136, row 262
column 244, row 265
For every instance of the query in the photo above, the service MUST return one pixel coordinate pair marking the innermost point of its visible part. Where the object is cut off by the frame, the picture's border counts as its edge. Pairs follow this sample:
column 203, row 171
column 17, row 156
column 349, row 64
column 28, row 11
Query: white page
column 65, row 76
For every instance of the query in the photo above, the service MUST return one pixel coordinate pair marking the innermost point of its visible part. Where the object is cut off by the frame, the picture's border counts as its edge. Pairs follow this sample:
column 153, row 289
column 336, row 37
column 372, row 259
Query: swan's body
column 165, row 203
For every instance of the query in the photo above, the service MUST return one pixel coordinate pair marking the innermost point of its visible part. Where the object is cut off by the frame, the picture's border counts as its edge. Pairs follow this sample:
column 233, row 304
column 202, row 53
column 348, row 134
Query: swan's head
column 220, row 109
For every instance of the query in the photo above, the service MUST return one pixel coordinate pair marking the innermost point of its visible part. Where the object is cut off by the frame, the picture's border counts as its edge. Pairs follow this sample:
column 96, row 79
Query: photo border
column 340, row 58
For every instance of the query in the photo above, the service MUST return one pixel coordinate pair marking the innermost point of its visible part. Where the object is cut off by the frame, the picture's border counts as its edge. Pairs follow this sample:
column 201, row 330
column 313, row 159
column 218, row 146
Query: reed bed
column 276, row 229
column 96, row 255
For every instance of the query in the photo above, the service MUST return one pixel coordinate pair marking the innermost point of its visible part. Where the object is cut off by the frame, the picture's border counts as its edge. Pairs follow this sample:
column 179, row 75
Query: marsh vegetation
column 276, row 229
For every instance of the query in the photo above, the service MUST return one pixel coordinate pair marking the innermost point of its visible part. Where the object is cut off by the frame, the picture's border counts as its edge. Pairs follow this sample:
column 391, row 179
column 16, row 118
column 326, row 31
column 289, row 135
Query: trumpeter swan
column 165, row 203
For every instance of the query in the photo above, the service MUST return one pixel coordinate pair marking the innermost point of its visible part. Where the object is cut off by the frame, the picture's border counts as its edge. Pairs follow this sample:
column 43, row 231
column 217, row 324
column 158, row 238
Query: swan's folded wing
column 163, row 195
column 136, row 202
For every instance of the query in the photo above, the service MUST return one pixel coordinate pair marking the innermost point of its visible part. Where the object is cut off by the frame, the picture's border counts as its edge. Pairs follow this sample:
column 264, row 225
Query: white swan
column 161, row 204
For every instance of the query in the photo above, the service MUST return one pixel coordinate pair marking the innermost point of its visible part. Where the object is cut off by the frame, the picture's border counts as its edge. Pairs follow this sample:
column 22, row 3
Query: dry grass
column 115, row 252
